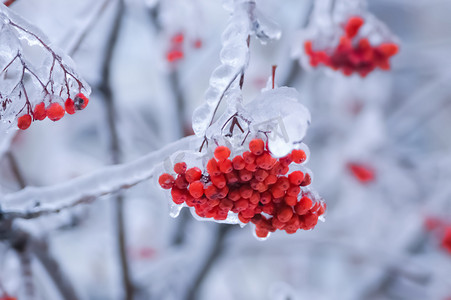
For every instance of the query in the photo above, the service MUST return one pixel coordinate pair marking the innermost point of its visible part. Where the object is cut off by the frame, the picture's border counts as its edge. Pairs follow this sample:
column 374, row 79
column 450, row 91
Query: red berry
column 222, row 193
column 219, row 181
column 261, row 175
column 261, row 232
column 69, row 105
column 222, row 153
column 226, row 166
column 303, row 206
column 282, row 183
column 238, row 163
column 180, row 168
column 80, row 101
column 193, row 174
column 177, row 38
column 226, row 204
column 232, row 177
column 296, row 177
column 363, row 173
column 284, row 214
column 24, row 122
column 257, row 146
column 446, row 241
column 39, row 112
column 265, row 198
column 213, row 168
column 307, row 180
column 255, row 198
column 298, row 156
column 196, row 189
column 293, row 190
column 246, row 191
column 211, row 192
column 290, row 200
column 271, row 179
column 166, row 181
column 245, row 175
column 178, row 196
column 265, row 161
column 241, row 204
column 353, row 26
column 248, row 157
column 251, row 167
column 234, row 195
column 309, row 220
column 180, row 182
column 55, row 111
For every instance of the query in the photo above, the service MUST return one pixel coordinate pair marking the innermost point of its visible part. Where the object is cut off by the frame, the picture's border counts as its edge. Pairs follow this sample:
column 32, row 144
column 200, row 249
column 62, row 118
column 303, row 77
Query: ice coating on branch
column 245, row 21
column 31, row 70
column 279, row 112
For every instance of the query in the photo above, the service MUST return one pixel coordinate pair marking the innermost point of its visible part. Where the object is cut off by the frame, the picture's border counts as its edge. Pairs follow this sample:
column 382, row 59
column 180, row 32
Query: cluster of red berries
column 349, row 57
column 254, row 185
column 7, row 298
column 175, row 51
column 54, row 111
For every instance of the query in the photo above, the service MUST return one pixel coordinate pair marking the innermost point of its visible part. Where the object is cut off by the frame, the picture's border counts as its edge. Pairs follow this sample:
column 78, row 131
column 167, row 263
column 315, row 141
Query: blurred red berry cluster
column 54, row 111
column 255, row 185
column 175, row 51
column 353, row 55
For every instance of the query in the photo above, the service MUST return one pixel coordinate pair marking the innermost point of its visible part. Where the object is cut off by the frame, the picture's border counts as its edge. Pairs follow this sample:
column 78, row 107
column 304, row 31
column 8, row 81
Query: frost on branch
column 250, row 165
column 245, row 21
column 36, row 80
column 348, row 39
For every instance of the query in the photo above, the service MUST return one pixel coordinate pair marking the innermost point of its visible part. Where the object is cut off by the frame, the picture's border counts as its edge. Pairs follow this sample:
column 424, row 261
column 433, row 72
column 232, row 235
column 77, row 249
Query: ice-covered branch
column 33, row 202
column 32, row 73
column 244, row 22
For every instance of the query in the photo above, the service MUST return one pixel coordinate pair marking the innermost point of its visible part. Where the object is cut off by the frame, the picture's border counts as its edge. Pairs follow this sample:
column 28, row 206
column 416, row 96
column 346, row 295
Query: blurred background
column 380, row 154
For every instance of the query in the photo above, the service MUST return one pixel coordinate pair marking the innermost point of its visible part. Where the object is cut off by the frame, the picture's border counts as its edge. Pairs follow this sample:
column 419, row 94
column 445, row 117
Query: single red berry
column 303, row 206
column 261, row 232
column 211, row 192
column 219, row 181
column 55, row 111
column 277, row 192
column 234, row 195
column 271, row 179
column 39, row 112
column 80, row 101
column 177, row 38
column 290, row 200
column 69, row 105
column 309, row 220
column 296, row 177
column 193, row 174
column 277, row 223
column 222, row 152
column 307, row 180
column 238, row 163
column 246, row 191
column 353, row 26
column 265, row 198
column 249, row 157
column 196, row 189
column 293, row 190
column 251, row 167
column 298, row 156
column 245, row 175
column 232, row 177
column 241, row 204
column 257, row 146
column 226, row 204
column 213, row 168
column 446, row 240
column 23, row 122
column 282, row 183
column 166, row 181
column 261, row 175
column 255, row 198
column 180, row 168
column 363, row 173
column 197, row 43
column 180, row 182
column 178, row 196
column 226, row 166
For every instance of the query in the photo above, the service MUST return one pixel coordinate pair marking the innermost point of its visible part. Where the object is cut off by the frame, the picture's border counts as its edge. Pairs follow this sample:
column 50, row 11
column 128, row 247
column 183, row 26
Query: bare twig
column 105, row 88
column 215, row 253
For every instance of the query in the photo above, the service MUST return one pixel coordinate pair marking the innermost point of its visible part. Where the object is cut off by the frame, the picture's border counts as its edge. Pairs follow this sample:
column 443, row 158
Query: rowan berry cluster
column 54, row 111
column 256, row 186
column 353, row 55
